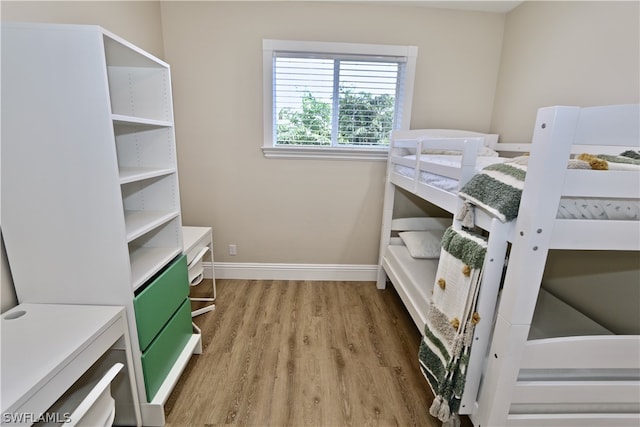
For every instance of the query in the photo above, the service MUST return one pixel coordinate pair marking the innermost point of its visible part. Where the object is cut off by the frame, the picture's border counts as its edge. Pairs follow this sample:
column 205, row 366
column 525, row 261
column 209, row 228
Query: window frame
column 270, row 46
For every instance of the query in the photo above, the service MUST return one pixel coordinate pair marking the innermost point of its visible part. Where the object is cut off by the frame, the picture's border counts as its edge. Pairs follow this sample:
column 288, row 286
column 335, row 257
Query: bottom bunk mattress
column 412, row 278
column 553, row 318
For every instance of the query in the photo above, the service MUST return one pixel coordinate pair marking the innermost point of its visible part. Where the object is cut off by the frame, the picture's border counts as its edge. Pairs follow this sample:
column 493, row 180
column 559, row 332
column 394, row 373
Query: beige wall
column 603, row 285
column 305, row 211
column 565, row 53
column 135, row 21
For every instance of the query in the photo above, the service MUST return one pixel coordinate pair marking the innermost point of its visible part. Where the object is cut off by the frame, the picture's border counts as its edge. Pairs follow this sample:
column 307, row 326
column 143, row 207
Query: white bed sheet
column 447, row 184
column 413, row 279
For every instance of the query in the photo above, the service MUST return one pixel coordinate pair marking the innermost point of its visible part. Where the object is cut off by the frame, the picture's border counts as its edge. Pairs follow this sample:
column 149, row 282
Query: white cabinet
column 90, row 199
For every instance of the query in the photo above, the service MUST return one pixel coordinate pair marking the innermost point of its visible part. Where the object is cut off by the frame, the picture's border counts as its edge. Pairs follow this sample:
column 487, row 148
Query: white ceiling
column 479, row 5
column 496, row 6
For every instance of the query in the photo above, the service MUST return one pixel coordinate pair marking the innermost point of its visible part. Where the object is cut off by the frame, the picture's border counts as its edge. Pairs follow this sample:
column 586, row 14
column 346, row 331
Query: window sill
column 337, row 153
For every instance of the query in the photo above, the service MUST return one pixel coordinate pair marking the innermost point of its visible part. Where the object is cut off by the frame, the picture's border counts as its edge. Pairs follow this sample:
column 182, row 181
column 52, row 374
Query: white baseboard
column 273, row 271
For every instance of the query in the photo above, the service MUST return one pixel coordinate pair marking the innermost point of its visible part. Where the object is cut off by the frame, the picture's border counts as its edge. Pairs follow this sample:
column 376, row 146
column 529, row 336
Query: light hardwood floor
column 295, row 353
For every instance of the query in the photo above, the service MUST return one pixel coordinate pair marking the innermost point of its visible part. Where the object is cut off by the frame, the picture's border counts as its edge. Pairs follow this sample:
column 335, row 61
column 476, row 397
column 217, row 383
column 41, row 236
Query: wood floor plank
column 300, row 353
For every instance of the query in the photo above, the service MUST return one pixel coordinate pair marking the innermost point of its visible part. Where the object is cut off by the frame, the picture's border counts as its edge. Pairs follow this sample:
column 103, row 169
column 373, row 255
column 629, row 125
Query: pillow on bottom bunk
column 422, row 244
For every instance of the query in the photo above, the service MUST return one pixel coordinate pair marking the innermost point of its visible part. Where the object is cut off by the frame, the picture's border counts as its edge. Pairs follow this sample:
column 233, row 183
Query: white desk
column 45, row 348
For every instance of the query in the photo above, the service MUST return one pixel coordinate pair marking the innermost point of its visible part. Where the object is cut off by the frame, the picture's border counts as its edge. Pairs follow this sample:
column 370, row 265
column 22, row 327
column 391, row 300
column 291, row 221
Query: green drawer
column 159, row 358
column 155, row 305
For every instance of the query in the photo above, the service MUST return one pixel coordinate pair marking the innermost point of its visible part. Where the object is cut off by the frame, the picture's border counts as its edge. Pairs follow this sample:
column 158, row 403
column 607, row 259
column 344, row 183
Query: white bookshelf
column 90, row 196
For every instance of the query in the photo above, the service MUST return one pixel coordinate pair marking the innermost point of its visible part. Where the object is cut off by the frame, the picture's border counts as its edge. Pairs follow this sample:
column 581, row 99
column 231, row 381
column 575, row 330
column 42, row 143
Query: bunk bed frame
column 525, row 368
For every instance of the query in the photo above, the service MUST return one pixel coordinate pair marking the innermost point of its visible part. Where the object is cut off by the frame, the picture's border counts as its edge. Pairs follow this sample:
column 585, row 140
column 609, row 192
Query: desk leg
column 211, row 306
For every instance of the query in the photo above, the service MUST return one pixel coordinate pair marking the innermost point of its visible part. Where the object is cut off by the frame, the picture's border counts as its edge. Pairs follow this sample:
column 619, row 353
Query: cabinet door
column 159, row 358
column 155, row 305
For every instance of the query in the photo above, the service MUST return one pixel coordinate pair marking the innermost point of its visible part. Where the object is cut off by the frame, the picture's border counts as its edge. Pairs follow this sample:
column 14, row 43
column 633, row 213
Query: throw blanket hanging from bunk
column 497, row 189
column 444, row 350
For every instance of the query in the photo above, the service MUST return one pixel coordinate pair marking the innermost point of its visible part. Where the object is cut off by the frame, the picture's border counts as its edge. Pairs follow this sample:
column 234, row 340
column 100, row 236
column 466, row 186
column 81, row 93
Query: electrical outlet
column 233, row 250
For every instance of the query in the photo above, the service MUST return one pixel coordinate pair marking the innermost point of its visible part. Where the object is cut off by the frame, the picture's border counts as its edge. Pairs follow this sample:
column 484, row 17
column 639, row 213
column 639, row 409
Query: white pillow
column 422, row 244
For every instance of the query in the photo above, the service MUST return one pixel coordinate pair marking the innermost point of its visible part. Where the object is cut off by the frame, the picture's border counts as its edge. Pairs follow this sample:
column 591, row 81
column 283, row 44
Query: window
column 335, row 99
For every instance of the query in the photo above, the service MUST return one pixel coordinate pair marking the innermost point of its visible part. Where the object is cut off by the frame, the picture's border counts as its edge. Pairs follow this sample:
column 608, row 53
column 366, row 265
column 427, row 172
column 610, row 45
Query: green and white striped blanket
column 451, row 319
column 497, row 188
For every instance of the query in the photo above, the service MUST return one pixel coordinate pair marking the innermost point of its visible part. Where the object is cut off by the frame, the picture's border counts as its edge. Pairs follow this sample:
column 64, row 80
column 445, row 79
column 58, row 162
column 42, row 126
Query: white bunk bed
column 432, row 162
column 547, row 364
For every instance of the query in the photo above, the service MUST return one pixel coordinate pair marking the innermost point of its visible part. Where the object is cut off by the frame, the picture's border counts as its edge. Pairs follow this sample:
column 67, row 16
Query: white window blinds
column 335, row 95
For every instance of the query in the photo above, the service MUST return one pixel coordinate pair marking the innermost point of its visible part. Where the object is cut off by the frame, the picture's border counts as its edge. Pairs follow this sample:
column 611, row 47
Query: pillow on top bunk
column 422, row 244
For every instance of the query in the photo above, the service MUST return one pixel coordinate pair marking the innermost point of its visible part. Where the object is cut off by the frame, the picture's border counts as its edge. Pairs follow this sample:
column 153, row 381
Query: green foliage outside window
column 363, row 119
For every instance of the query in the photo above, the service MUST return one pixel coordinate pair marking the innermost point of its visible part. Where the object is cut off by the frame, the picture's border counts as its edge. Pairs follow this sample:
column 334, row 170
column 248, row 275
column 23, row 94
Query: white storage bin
column 98, row 408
